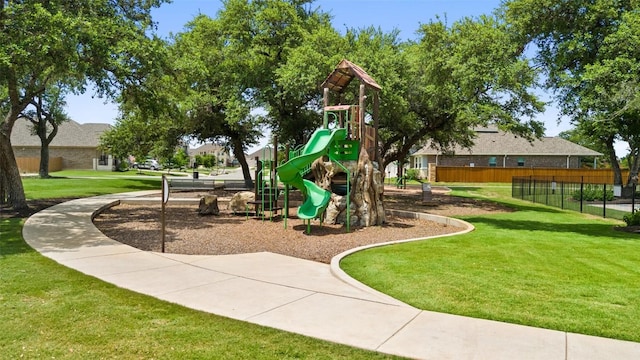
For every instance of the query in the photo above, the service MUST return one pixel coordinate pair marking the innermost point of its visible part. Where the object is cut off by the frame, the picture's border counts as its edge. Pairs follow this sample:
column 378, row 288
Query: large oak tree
column 103, row 42
column 274, row 54
column 284, row 49
column 45, row 114
column 454, row 78
column 589, row 49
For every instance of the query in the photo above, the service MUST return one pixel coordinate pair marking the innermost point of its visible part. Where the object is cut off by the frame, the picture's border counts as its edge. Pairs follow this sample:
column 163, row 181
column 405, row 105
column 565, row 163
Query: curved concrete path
column 296, row 295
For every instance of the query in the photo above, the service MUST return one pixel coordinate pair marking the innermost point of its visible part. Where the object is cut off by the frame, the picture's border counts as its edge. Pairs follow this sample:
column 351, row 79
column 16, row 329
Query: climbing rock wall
column 367, row 190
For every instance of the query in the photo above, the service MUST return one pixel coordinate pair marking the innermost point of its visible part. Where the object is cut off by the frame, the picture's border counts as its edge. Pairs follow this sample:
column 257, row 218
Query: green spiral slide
column 316, row 198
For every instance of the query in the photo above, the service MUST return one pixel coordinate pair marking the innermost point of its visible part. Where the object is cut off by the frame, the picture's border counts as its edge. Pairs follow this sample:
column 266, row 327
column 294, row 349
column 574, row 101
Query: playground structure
column 336, row 171
column 292, row 173
column 266, row 191
column 350, row 176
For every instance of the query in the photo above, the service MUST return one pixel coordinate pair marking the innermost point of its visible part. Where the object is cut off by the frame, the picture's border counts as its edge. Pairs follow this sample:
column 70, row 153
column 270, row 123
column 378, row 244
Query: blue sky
column 405, row 15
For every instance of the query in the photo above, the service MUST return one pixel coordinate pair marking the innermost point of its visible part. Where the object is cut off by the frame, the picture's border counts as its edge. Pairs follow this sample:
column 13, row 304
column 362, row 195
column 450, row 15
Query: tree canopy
column 273, row 55
column 283, row 49
column 43, row 43
column 260, row 63
column 589, row 50
column 454, row 78
column 268, row 55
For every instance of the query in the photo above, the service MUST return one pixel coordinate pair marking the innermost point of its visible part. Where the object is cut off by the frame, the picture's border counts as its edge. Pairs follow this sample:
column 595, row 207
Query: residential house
column 495, row 148
column 263, row 153
column 221, row 155
column 75, row 144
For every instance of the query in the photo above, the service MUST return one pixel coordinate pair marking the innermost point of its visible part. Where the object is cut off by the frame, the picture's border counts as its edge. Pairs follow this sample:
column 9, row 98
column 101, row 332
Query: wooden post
column 274, row 179
column 376, row 123
column 361, row 98
column 163, row 222
column 325, row 97
column 287, row 189
column 257, row 177
column 165, row 198
column 325, row 101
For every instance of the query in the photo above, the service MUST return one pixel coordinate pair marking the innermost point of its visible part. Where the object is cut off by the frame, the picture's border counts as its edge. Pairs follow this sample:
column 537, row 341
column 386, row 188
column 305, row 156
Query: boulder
column 238, row 202
column 208, row 205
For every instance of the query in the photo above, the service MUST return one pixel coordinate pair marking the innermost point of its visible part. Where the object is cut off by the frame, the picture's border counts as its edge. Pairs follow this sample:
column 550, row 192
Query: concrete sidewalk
column 296, row 295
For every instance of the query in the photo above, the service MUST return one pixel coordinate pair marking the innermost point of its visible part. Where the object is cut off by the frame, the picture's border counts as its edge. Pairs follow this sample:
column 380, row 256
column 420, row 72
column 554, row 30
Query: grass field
column 77, row 187
column 52, row 312
column 537, row 266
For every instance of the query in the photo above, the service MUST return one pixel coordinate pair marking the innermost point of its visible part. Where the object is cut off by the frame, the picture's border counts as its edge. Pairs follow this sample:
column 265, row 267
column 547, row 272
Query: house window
column 493, row 162
column 103, row 160
column 520, row 161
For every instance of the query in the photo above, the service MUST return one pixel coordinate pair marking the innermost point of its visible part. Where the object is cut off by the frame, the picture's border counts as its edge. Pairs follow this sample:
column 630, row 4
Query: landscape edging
column 344, row 277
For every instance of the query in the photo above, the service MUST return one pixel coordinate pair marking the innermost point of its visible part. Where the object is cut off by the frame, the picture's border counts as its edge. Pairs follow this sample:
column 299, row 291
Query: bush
column 632, row 219
column 412, row 174
column 122, row 166
column 592, row 193
column 207, row 160
column 179, row 160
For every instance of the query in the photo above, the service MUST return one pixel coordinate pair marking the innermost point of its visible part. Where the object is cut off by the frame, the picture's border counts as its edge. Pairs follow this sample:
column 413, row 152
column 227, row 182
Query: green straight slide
column 316, row 198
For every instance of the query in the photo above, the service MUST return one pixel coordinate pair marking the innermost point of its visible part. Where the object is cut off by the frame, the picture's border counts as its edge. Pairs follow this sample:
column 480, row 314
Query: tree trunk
column 14, row 190
column 238, row 152
column 615, row 165
column 45, row 140
column 3, row 188
column 632, row 180
column 44, row 160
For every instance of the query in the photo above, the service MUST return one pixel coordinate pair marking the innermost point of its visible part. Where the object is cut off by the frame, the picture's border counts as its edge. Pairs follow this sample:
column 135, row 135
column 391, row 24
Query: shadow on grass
column 517, row 205
column 466, row 188
column 125, row 183
column 11, row 242
column 588, row 229
column 533, row 207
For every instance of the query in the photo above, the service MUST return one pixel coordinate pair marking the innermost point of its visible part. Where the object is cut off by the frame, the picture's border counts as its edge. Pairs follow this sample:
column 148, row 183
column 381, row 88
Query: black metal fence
column 596, row 196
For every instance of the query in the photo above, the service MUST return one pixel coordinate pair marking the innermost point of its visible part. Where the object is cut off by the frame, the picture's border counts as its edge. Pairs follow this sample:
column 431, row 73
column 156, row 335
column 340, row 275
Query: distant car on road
column 150, row 164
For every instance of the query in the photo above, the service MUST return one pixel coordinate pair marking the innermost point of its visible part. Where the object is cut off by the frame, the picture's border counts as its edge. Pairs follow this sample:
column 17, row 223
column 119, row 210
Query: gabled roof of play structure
column 346, row 71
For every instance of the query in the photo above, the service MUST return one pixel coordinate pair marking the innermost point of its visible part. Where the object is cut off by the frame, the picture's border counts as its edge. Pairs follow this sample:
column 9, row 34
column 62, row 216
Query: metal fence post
column 574, row 193
column 604, row 200
column 547, row 194
column 581, row 191
column 633, row 199
column 562, row 195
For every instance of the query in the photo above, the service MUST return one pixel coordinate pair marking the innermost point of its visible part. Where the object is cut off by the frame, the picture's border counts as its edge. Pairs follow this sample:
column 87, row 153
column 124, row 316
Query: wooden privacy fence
column 32, row 164
column 504, row 175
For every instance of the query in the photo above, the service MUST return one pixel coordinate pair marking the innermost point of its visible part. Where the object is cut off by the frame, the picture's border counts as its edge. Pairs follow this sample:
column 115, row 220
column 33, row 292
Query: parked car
column 150, row 164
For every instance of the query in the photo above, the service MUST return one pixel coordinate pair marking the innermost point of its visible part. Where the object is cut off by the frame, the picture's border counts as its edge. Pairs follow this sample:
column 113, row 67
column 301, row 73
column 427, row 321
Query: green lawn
column 537, row 266
column 50, row 311
column 131, row 173
column 62, row 187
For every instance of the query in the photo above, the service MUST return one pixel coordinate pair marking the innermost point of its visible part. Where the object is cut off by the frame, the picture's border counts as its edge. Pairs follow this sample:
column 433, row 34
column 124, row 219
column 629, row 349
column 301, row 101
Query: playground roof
column 346, row 71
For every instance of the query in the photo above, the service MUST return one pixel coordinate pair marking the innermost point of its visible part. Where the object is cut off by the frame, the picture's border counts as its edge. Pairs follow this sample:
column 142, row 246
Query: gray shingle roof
column 70, row 134
column 493, row 142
